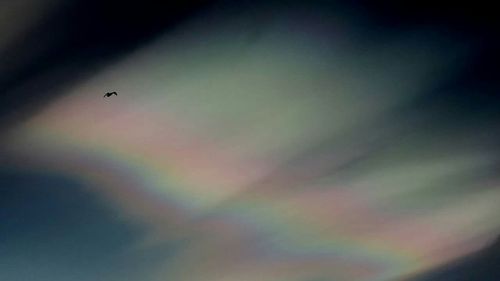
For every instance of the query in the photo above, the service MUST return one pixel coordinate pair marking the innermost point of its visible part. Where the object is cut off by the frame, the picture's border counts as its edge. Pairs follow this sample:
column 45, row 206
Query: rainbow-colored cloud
column 286, row 157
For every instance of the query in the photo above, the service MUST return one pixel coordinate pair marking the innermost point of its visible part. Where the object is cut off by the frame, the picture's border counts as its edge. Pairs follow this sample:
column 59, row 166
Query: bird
column 107, row 95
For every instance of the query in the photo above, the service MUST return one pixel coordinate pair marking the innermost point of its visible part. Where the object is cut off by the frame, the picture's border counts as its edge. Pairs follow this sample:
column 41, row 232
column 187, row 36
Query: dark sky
column 71, row 40
column 53, row 228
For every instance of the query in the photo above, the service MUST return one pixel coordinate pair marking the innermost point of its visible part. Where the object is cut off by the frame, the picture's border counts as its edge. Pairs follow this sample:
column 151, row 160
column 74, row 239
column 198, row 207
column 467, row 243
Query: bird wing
column 110, row 94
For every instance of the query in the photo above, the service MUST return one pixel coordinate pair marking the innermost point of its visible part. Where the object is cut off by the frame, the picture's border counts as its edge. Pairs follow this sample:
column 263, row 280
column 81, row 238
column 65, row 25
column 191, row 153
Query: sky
column 249, row 140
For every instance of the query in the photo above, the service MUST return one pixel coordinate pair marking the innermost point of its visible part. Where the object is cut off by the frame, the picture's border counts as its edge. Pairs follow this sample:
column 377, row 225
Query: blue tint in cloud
column 51, row 228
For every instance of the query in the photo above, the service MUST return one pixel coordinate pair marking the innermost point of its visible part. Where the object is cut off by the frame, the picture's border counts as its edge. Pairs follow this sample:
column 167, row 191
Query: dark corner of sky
column 481, row 265
column 49, row 45
column 54, row 228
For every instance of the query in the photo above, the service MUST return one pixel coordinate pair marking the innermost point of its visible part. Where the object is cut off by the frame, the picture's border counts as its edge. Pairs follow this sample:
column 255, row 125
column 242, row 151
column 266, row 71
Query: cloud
column 294, row 148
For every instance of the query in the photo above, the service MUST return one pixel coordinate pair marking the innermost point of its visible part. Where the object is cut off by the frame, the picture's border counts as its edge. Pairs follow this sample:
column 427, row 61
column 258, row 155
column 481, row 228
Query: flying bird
column 107, row 95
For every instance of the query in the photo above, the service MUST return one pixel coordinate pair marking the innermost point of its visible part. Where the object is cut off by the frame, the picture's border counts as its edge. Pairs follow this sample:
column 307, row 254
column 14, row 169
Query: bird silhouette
column 107, row 95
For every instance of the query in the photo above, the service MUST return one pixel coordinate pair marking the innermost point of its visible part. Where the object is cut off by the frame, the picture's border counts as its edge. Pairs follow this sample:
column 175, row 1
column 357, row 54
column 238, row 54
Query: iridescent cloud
column 286, row 157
